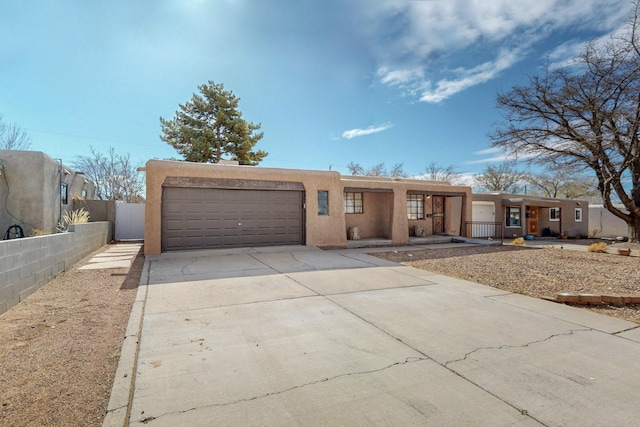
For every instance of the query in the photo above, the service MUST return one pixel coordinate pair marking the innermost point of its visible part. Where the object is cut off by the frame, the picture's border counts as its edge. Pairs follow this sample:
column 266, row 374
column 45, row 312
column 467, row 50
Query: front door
column 438, row 214
column 532, row 220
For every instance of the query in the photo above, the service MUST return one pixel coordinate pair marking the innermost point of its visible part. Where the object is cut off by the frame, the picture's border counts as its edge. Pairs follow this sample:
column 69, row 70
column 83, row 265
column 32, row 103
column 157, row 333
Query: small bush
column 600, row 247
column 37, row 232
column 79, row 216
column 518, row 241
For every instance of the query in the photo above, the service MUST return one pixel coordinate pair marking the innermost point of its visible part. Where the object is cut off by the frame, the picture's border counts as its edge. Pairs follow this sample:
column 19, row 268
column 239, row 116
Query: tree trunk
column 634, row 230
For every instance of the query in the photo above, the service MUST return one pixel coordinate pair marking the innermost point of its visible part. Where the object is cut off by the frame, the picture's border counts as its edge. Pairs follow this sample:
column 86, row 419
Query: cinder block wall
column 27, row 264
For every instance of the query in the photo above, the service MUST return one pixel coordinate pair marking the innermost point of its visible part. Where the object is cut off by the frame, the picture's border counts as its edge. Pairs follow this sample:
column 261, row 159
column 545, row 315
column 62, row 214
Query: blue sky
column 330, row 81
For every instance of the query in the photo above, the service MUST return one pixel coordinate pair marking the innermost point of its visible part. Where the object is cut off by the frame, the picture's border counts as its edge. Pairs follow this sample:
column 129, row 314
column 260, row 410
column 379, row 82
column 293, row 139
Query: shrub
column 600, row 247
column 37, row 232
column 518, row 241
column 79, row 216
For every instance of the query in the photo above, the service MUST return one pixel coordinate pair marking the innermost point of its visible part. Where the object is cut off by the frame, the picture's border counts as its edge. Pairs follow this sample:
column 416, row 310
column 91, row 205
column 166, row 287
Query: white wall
column 603, row 223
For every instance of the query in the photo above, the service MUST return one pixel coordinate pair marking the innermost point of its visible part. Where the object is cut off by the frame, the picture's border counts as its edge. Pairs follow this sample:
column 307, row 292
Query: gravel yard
column 538, row 272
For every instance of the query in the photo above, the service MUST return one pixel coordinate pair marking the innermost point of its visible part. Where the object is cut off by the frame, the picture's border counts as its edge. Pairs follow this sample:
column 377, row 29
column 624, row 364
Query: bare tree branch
column 13, row 137
column 586, row 114
column 116, row 177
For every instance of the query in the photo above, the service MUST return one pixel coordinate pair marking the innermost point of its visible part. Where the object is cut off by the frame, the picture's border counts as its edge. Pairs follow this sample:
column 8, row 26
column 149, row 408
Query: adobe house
column 530, row 215
column 199, row 206
column 36, row 190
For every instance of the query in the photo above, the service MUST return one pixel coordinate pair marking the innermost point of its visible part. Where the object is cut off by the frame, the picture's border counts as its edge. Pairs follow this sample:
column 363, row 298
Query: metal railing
column 485, row 230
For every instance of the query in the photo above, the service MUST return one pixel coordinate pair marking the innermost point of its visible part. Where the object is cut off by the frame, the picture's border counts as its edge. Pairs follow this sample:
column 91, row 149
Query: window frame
column 508, row 210
column 415, row 212
column 64, row 193
column 323, row 203
column 353, row 202
column 577, row 215
column 554, row 214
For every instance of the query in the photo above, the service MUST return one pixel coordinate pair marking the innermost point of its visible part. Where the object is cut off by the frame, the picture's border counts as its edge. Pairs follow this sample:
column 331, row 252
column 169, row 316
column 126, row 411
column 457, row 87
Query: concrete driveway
column 301, row 336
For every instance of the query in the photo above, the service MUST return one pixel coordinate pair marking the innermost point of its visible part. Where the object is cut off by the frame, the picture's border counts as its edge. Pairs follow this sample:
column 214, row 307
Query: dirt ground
column 538, row 272
column 59, row 348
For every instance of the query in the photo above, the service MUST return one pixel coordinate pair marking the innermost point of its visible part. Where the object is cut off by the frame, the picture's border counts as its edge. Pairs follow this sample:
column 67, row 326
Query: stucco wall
column 375, row 221
column 603, row 223
column 321, row 230
column 385, row 200
column 30, row 190
column 99, row 210
column 426, row 223
column 566, row 225
column 27, row 264
column 453, row 215
column 459, row 211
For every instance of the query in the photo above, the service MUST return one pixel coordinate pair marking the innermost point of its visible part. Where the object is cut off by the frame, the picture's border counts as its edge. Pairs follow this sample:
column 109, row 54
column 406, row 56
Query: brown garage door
column 198, row 218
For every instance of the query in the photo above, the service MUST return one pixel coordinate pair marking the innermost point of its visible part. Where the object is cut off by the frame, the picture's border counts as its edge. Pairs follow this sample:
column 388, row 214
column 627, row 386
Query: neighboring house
column 527, row 215
column 199, row 206
column 603, row 223
column 36, row 190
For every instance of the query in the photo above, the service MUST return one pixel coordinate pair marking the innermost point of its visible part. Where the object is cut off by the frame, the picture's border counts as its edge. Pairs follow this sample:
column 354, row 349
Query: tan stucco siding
column 566, row 224
column 320, row 230
column 385, row 200
column 399, row 224
column 374, row 222
column 30, row 187
column 453, row 216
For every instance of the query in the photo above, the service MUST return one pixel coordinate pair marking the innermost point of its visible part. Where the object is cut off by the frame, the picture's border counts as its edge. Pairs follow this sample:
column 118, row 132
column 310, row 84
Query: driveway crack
column 149, row 419
column 504, row 346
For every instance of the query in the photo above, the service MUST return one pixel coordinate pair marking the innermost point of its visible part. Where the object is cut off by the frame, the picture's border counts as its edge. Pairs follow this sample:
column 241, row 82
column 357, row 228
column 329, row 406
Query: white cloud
column 399, row 77
column 352, row 133
column 490, row 150
column 412, row 40
column 469, row 78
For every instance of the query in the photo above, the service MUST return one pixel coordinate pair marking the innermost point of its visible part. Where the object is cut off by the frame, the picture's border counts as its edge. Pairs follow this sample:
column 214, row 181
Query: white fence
column 129, row 221
column 603, row 223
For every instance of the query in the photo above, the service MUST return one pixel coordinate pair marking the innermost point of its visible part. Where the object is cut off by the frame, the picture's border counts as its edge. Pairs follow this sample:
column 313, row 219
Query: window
column 554, row 214
column 323, row 203
column 578, row 214
column 353, row 203
column 513, row 216
column 63, row 193
column 415, row 206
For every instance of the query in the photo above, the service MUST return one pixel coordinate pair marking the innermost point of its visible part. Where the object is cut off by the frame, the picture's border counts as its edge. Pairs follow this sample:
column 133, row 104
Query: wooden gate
column 438, row 214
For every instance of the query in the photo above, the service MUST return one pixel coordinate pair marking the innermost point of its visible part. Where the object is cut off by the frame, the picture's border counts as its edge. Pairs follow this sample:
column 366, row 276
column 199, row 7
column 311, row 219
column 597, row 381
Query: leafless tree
column 377, row 170
column 563, row 183
column 504, row 177
column 397, row 171
column 380, row 169
column 436, row 172
column 116, row 177
column 355, row 168
column 13, row 137
column 588, row 114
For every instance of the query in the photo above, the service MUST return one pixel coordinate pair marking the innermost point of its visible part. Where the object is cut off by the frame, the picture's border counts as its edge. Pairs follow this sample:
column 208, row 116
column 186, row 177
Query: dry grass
column 599, row 247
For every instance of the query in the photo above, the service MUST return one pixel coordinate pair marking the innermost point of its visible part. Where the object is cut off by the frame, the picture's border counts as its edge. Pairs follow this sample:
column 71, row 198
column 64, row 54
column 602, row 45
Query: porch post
column 399, row 221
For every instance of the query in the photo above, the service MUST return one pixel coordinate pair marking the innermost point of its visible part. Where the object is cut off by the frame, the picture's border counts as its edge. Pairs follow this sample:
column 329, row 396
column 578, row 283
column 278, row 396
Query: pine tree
column 210, row 128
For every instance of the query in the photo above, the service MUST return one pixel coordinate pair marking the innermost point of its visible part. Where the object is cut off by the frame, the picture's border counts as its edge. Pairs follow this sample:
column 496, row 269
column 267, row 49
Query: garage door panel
column 215, row 218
